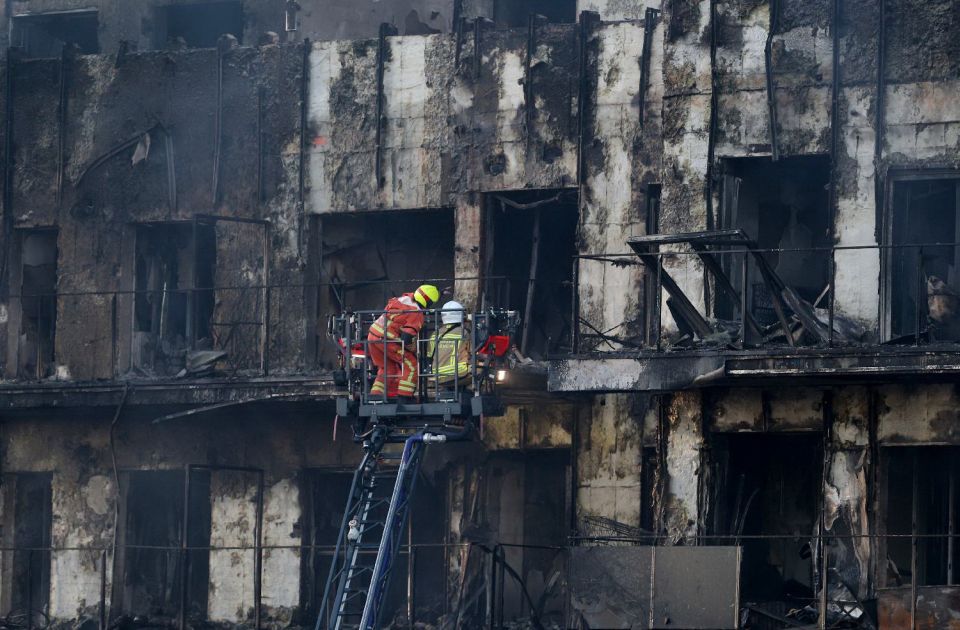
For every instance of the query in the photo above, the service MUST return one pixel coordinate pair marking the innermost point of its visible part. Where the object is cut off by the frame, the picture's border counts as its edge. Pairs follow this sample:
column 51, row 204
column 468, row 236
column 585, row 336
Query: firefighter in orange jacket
column 392, row 342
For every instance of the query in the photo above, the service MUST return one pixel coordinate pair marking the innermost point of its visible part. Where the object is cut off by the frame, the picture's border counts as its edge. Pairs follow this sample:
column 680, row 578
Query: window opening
column 28, row 525
column 779, row 205
column 367, row 258
column 515, row 13
column 924, row 281
column 38, row 302
column 45, row 35
column 769, row 485
column 164, row 276
column 920, row 487
column 149, row 554
column 529, row 262
column 524, row 504
column 197, row 25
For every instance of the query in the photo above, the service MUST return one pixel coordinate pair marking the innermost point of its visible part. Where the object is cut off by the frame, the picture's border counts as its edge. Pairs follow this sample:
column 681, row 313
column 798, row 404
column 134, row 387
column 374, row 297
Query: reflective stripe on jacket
column 403, row 315
column 451, row 354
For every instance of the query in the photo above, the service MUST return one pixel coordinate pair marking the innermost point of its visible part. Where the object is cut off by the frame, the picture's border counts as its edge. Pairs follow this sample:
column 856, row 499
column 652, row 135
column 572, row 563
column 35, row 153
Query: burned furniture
column 796, row 319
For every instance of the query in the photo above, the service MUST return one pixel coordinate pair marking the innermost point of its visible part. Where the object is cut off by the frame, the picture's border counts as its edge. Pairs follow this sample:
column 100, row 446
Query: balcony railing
column 717, row 289
column 232, row 331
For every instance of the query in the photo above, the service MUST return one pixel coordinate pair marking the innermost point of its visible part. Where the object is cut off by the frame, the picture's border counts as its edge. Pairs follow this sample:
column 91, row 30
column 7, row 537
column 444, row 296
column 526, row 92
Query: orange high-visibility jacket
column 403, row 315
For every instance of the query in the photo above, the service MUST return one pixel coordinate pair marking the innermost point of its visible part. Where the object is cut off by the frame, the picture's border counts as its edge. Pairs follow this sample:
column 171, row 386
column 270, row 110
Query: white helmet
column 452, row 313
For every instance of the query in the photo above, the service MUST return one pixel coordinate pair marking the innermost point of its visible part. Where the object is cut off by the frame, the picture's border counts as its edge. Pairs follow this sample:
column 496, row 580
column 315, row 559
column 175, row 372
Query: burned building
column 729, row 227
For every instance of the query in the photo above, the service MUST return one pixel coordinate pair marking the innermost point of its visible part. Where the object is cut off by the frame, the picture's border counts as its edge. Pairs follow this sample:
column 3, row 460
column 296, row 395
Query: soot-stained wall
column 247, row 170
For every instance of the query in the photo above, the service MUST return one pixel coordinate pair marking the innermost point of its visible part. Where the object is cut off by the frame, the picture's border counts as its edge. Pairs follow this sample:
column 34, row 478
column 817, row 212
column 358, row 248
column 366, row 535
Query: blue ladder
column 365, row 527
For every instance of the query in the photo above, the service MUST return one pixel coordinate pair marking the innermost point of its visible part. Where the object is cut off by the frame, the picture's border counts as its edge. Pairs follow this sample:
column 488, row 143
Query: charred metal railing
column 477, row 595
column 732, row 295
column 245, row 330
column 498, row 576
column 477, row 335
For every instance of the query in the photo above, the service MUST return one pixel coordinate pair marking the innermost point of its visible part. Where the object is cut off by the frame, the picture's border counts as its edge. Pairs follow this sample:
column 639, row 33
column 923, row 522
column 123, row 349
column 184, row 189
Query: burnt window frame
column 893, row 177
column 16, row 20
column 734, row 182
column 506, row 287
column 36, row 556
column 14, row 368
column 162, row 18
column 726, row 458
column 327, row 294
column 312, row 580
column 915, row 538
column 501, row 14
column 198, row 591
column 190, row 283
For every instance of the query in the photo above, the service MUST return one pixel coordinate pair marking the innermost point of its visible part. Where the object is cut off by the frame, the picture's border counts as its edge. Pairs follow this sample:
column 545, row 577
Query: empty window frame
column 515, row 13
column 922, row 270
column 367, row 258
column 528, row 264
column 768, row 491
column 45, row 35
column 149, row 554
column 165, row 275
column 919, row 499
column 779, row 205
column 35, row 279
column 526, row 506
column 26, row 570
column 197, row 25
column 324, row 495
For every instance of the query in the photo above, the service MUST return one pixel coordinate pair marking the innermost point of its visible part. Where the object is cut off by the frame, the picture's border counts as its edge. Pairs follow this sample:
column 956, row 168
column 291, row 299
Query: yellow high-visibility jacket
column 450, row 352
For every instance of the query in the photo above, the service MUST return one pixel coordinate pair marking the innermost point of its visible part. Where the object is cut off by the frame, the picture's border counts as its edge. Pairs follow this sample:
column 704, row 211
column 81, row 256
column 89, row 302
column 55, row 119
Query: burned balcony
column 721, row 307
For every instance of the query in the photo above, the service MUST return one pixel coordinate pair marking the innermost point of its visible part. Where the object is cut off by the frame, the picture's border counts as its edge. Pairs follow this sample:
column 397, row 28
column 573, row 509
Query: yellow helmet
column 426, row 295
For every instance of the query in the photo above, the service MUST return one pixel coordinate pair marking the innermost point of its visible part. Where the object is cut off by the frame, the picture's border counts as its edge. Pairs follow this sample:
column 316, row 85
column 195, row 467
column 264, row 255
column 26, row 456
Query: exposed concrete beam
column 662, row 373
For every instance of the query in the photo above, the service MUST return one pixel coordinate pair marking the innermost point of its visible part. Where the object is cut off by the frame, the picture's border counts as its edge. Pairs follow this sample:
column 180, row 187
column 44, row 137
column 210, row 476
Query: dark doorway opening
column 44, row 36
column 767, row 499
column 920, row 498
column 197, row 25
column 514, row 13
column 38, row 302
column 779, row 205
column 530, row 249
column 27, row 530
column 924, row 265
column 168, row 269
column 149, row 554
column 367, row 258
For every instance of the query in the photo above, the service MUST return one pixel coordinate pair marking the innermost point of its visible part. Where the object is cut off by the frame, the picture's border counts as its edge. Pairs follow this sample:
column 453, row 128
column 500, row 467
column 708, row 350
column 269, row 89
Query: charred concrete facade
column 159, row 205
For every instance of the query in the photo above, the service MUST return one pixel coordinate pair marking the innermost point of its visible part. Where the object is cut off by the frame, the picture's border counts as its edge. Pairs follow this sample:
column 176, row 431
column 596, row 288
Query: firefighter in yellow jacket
column 449, row 349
